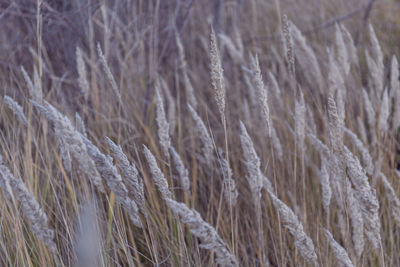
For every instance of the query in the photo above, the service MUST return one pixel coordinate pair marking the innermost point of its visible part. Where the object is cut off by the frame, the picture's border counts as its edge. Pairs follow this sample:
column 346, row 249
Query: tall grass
column 199, row 133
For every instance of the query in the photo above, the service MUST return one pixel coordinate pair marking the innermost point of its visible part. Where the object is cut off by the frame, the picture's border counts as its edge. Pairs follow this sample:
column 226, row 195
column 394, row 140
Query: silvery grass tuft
column 349, row 42
column 29, row 206
column 81, row 67
column 356, row 220
column 365, row 155
column 114, row 181
column 35, row 89
column 384, row 112
column 274, row 86
column 302, row 242
column 261, row 93
column 335, row 127
column 393, row 199
column 71, row 142
column 366, row 197
column 205, row 138
column 162, row 124
column 188, row 85
column 230, row 189
column 310, row 121
column 375, row 64
column 288, row 44
column 306, row 58
column 236, row 52
column 340, row 253
column 253, row 164
column 300, row 121
column 325, row 183
column 217, row 74
column 157, row 174
column 130, row 175
column 171, row 110
column 361, row 129
column 276, row 143
column 80, row 125
column 16, row 109
column 319, row 145
column 395, row 91
column 182, row 171
column 342, row 52
column 107, row 70
column 207, row 234
column 370, row 112
column 337, row 86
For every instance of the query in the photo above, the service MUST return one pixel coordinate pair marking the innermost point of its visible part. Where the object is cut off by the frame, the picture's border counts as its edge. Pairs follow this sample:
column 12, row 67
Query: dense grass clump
column 199, row 133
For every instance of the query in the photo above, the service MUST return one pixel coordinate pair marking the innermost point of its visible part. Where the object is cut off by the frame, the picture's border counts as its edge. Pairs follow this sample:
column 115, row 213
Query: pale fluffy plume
column 35, row 89
column 393, row 199
column 217, row 76
column 274, row 85
column 302, row 242
column 366, row 157
column 300, row 121
column 276, row 143
column 337, row 86
column 261, row 93
column 395, row 92
column 181, row 51
column 80, row 125
column 335, row 126
column 114, row 181
column 394, row 77
column 252, row 91
column 162, row 125
column 5, row 176
column 204, row 135
column 325, row 183
column 230, row 190
column 288, row 44
column 362, row 130
column 81, row 67
column 130, row 175
column 384, row 112
column 319, row 145
column 235, row 51
column 29, row 206
column 107, row 70
column 342, row 51
column 188, row 85
column 310, row 121
column 351, row 48
column 16, row 109
column 340, row 253
column 371, row 117
column 356, row 220
column 376, row 69
column 207, row 234
column 276, row 89
column 306, row 58
column 253, row 164
column 189, row 90
column 171, row 111
column 182, row 171
column 71, row 141
column 157, row 174
column 366, row 197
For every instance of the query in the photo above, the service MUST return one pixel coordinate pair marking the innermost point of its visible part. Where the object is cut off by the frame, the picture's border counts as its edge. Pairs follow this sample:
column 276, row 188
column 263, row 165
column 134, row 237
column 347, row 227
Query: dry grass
column 199, row 133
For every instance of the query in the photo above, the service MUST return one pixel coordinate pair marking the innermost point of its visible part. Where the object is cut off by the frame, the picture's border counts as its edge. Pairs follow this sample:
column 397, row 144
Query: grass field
column 199, row 133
